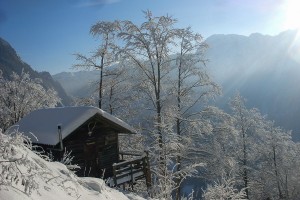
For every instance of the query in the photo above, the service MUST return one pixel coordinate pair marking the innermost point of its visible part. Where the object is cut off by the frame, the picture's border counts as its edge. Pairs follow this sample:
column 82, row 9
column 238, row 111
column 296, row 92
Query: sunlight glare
column 291, row 21
column 294, row 50
column 291, row 14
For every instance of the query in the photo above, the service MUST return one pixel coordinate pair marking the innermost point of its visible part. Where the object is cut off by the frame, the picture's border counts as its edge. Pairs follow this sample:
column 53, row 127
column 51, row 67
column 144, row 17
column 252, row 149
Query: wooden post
column 147, row 171
column 115, row 174
column 131, row 173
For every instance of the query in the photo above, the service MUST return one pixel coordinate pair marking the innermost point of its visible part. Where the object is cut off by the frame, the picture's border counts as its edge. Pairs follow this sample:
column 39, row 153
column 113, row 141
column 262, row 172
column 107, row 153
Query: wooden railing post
column 115, row 174
column 131, row 173
column 147, row 169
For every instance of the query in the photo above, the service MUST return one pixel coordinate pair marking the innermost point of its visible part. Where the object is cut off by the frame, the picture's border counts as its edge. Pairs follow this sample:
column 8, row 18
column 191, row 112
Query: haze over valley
column 264, row 69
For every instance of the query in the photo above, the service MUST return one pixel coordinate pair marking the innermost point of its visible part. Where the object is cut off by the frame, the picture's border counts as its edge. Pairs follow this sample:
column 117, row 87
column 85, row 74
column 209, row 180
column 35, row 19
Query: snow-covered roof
column 43, row 123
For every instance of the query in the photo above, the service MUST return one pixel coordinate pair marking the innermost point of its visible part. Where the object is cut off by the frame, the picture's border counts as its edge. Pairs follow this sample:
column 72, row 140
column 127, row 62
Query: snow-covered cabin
column 89, row 132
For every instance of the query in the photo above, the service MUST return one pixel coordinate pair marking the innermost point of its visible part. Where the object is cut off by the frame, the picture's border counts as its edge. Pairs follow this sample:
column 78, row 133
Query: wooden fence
column 131, row 170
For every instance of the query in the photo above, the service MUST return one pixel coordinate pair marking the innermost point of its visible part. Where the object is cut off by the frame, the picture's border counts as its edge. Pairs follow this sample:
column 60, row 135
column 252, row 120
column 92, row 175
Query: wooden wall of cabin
column 93, row 153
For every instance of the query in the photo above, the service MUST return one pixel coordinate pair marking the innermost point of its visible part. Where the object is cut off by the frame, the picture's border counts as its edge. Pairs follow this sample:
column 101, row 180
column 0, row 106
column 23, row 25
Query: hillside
column 10, row 62
column 25, row 175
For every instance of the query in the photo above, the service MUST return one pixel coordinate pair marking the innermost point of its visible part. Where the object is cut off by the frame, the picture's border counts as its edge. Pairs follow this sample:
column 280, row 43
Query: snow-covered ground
column 26, row 176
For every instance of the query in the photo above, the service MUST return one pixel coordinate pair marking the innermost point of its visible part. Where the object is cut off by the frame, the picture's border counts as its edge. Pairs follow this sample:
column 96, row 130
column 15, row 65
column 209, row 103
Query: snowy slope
column 25, row 175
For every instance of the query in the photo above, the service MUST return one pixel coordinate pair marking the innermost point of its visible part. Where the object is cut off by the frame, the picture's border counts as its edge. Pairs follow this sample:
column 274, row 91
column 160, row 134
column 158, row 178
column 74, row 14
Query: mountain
column 83, row 88
column 10, row 62
column 264, row 69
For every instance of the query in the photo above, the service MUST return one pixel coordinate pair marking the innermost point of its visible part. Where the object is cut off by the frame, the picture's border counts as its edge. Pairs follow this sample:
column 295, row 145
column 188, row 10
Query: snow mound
column 25, row 175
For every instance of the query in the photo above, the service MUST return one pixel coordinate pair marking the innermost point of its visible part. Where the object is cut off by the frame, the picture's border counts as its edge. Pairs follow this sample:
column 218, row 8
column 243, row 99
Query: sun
column 291, row 21
column 291, row 14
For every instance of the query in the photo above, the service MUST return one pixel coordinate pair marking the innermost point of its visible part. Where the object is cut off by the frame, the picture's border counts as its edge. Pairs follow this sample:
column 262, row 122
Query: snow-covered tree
column 276, row 174
column 104, row 55
column 162, row 55
column 85, row 101
column 148, row 49
column 21, row 95
column 220, row 145
column 192, row 88
column 265, row 155
column 118, row 96
column 247, row 123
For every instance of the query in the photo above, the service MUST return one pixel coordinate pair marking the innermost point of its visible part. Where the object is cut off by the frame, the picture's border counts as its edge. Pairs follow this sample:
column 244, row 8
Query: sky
column 46, row 33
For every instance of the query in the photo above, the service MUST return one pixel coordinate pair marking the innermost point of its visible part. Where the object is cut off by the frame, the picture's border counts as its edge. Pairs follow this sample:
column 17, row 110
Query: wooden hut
column 89, row 132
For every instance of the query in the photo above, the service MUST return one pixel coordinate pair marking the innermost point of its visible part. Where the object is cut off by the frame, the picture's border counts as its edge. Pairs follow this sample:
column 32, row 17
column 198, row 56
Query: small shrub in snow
column 67, row 160
column 16, row 168
column 224, row 190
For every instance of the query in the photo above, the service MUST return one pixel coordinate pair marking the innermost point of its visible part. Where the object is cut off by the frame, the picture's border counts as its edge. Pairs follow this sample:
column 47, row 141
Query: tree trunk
column 276, row 173
column 162, row 161
column 101, row 81
column 110, row 100
column 178, row 130
column 245, row 172
column 178, row 161
column 101, row 70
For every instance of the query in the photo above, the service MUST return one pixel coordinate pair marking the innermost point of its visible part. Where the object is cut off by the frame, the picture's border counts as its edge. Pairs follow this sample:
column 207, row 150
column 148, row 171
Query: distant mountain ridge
column 10, row 62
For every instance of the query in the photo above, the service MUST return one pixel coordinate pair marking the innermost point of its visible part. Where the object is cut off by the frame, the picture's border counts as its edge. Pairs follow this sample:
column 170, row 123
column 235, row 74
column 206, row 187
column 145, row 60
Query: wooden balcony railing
column 131, row 170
